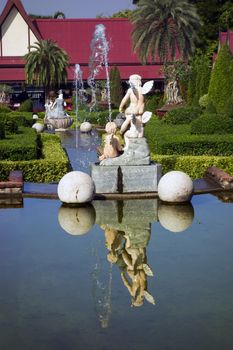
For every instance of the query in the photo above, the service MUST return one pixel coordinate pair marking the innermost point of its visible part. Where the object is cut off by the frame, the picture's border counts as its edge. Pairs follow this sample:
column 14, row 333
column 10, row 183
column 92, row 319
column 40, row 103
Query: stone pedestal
column 126, row 178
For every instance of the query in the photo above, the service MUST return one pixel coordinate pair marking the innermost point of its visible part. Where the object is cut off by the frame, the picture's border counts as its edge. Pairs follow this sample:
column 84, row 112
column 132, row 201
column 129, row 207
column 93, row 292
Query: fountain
column 131, row 171
column 98, row 59
column 55, row 115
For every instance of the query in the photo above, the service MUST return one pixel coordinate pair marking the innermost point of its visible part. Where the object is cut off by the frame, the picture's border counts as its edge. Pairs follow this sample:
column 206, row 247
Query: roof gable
column 19, row 7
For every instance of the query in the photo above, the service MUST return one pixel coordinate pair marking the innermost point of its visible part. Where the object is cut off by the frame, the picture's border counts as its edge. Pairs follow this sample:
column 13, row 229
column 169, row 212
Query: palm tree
column 46, row 65
column 163, row 26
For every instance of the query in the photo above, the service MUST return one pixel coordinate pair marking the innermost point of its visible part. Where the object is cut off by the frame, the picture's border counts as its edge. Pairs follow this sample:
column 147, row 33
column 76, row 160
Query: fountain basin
column 60, row 124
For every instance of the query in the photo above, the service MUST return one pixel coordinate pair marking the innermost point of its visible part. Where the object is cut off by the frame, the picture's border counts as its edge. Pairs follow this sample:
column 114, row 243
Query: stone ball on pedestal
column 39, row 127
column 175, row 187
column 85, row 127
column 76, row 221
column 76, row 187
column 175, row 217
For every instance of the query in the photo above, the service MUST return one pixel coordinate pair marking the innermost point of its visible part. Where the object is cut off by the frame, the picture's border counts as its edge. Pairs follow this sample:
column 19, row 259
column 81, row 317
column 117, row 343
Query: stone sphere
column 35, row 116
column 175, row 187
column 76, row 221
column 85, row 127
column 39, row 127
column 75, row 187
column 175, row 217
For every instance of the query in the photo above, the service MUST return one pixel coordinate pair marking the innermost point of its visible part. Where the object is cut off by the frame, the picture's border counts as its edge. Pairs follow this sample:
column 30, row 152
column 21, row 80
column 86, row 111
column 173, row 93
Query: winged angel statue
column 134, row 113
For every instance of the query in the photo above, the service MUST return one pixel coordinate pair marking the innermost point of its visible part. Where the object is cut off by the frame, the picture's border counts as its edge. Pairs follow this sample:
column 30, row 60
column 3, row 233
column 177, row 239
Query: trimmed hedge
column 194, row 166
column 22, row 118
column 10, row 124
column 212, row 124
column 182, row 115
column 21, row 146
column 218, row 145
column 52, row 167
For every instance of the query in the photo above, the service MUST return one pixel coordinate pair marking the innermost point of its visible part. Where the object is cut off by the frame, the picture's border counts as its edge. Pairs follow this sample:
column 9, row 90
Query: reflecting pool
column 117, row 275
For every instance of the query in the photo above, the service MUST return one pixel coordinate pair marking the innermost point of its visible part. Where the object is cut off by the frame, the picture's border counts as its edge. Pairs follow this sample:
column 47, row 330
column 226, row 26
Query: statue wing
column 147, row 87
column 146, row 117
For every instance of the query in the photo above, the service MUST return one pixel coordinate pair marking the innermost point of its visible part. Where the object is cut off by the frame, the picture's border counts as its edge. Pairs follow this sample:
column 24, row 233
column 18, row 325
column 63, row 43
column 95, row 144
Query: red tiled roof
column 227, row 37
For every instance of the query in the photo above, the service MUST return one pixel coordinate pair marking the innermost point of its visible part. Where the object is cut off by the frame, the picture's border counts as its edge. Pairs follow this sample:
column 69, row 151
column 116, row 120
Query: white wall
column 15, row 40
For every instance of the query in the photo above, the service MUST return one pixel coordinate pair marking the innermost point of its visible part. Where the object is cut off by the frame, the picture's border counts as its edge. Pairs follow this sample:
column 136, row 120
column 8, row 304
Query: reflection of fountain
column 98, row 58
column 101, row 291
column 175, row 217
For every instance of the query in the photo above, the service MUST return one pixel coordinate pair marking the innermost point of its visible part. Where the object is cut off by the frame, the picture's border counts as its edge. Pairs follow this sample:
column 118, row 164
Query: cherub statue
column 134, row 113
column 112, row 145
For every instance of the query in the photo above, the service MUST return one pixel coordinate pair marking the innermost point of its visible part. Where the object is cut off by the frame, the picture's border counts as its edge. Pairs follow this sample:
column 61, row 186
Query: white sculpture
column 172, row 93
column 134, row 113
column 55, row 114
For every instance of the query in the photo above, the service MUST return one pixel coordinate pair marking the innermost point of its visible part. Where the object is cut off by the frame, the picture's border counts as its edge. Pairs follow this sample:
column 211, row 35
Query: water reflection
column 76, row 220
column 175, row 217
column 127, row 230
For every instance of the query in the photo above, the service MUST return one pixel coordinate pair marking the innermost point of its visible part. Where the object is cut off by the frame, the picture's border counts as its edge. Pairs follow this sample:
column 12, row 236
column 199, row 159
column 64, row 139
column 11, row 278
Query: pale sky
column 74, row 8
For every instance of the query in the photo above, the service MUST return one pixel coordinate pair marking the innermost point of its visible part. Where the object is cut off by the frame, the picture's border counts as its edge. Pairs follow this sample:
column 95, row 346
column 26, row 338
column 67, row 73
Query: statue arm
column 124, row 100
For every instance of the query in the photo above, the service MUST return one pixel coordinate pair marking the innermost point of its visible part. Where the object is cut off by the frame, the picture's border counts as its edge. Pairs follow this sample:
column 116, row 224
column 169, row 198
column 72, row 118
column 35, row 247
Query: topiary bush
column 52, row 166
column 22, row 146
column 182, row 115
column 203, row 101
column 26, row 106
column 153, row 102
column 221, row 81
column 211, row 123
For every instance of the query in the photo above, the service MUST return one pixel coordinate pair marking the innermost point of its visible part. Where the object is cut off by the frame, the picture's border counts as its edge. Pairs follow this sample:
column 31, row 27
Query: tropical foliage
column 46, row 64
column 162, row 27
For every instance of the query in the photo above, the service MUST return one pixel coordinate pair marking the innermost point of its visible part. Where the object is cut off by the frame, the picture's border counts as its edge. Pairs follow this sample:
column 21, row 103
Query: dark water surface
column 59, row 290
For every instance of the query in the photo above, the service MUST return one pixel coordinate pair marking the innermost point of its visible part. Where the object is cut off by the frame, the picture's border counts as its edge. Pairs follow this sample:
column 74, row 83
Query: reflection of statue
column 127, row 235
column 137, row 270
column 134, row 113
column 112, row 145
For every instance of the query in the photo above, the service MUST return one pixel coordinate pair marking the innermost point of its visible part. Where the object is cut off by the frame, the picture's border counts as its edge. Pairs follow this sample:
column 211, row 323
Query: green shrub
column 100, row 118
column 4, row 109
column 26, row 106
column 221, row 81
column 22, row 146
column 53, row 165
column 212, row 124
column 116, row 86
column 2, row 130
column 196, row 145
column 153, row 102
column 10, row 124
column 182, row 115
column 203, row 101
column 194, row 166
column 22, row 118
